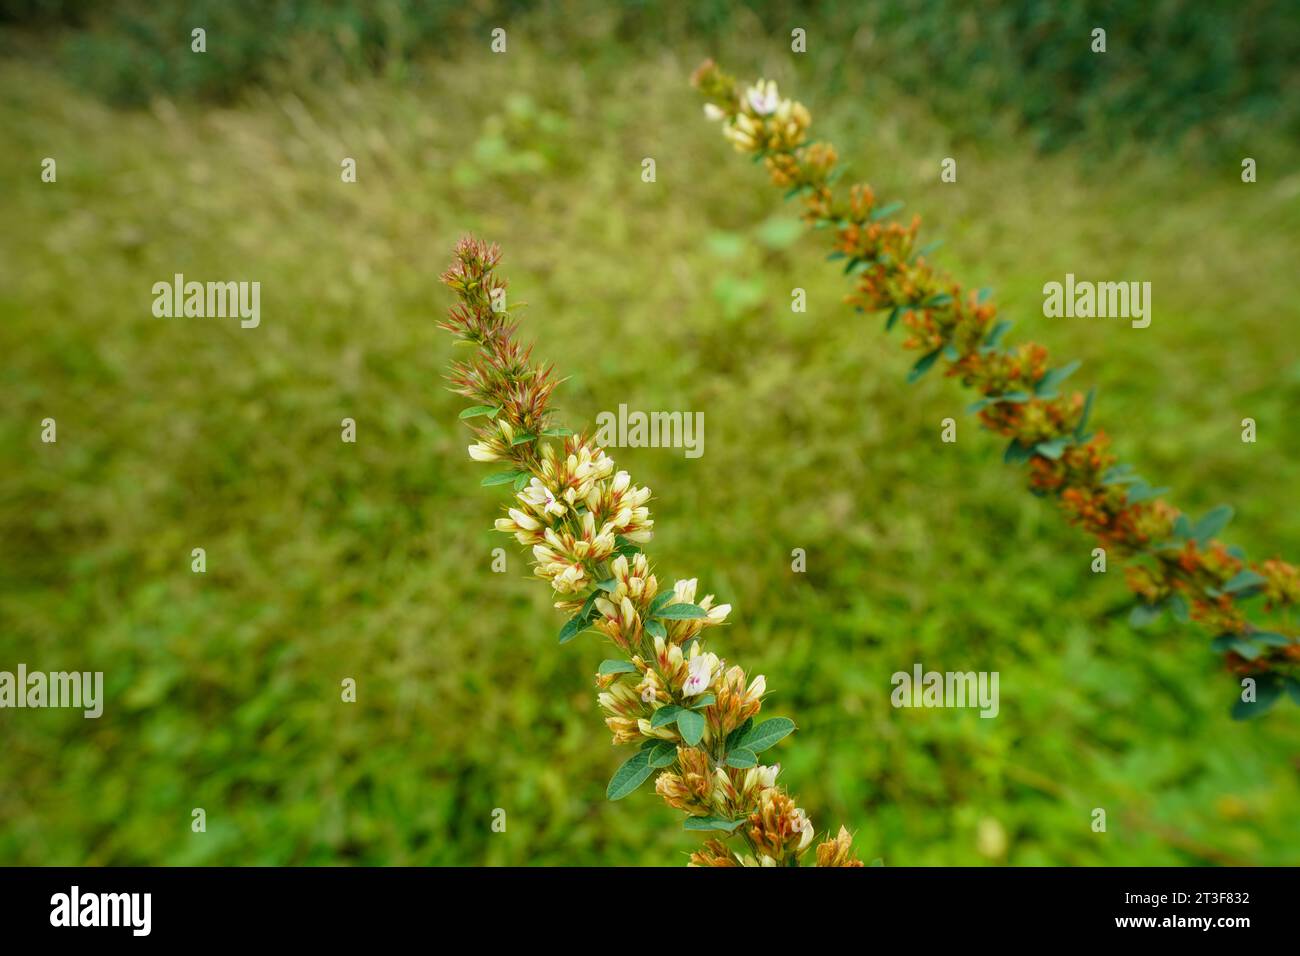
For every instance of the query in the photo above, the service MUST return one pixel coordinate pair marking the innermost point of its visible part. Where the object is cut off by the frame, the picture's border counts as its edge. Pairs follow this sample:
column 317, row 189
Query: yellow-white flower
column 804, row 826
column 663, row 733
column 481, row 451
column 527, row 522
column 744, row 132
column 541, row 499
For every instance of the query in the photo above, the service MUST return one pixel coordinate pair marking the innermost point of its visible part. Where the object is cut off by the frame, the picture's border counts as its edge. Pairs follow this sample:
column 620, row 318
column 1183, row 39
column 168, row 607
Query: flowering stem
column 1175, row 564
column 690, row 716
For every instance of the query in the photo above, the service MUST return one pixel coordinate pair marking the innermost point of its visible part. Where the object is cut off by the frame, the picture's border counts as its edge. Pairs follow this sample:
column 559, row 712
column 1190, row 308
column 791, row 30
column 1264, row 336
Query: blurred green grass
column 372, row 560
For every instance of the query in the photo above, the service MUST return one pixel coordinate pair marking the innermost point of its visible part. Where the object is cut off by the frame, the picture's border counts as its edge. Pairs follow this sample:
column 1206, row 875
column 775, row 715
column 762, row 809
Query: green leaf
column 521, row 482
column 704, row 700
column 608, row 585
column 662, row 754
column 1053, row 449
column 995, row 334
column 1244, row 580
column 923, row 364
column 616, row 667
column 558, row 431
column 886, row 210
column 1087, row 413
column 1214, row 522
column 1293, row 689
column 1011, row 398
column 983, row 295
column 894, row 315
column 1236, row 642
column 1141, row 491
column 477, row 410
column 623, row 544
column 630, row 775
column 1270, row 638
column 1055, row 377
column 1144, row 614
column 501, row 478
column 742, row 758
column 943, row 298
column 662, row 598
column 738, row 733
column 656, row 629
column 573, row 627
column 1179, row 609
column 761, row 736
column 1017, row 453
column 713, row 823
column 691, row 726
column 665, row 715
column 682, row 612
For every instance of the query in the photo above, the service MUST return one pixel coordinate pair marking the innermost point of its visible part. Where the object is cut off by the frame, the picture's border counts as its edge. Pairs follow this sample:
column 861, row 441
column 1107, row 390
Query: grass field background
column 328, row 560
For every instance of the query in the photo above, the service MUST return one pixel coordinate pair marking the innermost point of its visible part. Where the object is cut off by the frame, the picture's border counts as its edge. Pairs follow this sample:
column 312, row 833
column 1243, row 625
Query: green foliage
column 372, row 561
column 763, row 735
column 630, row 775
column 1214, row 74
